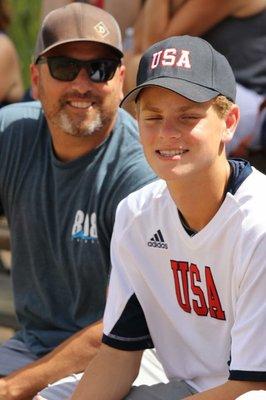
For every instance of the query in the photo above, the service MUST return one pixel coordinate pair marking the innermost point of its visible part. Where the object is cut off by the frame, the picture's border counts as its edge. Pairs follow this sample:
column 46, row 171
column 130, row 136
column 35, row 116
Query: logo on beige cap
column 101, row 29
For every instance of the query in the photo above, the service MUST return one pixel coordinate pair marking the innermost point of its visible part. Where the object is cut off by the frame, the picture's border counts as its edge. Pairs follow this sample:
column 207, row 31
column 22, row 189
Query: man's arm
column 229, row 390
column 71, row 356
column 110, row 375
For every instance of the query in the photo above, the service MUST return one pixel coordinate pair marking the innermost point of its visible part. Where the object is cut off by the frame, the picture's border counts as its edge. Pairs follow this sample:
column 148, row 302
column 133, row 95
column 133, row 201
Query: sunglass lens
column 62, row 69
column 67, row 69
column 102, row 70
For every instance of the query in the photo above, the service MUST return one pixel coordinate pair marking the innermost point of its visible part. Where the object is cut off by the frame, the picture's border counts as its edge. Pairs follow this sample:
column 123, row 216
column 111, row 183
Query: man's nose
column 82, row 82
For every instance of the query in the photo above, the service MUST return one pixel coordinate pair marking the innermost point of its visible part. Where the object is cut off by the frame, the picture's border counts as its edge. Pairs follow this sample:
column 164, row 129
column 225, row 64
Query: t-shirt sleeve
column 1, row 166
column 133, row 176
column 248, row 356
column 125, row 326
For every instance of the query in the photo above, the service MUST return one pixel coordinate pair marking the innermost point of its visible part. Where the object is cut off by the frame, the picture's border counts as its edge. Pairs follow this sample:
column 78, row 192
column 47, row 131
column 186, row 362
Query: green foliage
column 23, row 31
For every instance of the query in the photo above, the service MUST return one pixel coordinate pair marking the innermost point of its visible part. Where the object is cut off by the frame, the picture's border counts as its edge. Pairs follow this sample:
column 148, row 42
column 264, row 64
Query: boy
column 188, row 251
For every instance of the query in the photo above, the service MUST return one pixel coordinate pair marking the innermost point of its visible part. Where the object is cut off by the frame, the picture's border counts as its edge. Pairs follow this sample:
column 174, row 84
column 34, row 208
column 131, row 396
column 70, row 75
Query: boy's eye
column 188, row 117
column 152, row 117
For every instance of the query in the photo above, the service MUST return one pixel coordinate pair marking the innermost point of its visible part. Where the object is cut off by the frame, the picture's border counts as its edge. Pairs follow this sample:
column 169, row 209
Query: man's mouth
column 80, row 104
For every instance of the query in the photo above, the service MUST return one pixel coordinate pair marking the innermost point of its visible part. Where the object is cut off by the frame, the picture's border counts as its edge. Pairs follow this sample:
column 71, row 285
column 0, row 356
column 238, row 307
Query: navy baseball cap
column 187, row 65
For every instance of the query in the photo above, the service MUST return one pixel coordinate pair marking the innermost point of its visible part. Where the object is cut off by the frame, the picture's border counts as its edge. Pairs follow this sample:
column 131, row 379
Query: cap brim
column 113, row 48
column 187, row 89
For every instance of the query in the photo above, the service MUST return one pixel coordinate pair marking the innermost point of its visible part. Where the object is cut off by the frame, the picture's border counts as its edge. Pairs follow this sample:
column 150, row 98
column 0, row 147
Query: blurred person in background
column 237, row 29
column 125, row 12
column 11, row 86
column 49, row 5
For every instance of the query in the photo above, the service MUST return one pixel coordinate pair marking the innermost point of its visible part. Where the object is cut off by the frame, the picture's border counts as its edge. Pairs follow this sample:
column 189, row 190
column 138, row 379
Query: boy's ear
column 231, row 121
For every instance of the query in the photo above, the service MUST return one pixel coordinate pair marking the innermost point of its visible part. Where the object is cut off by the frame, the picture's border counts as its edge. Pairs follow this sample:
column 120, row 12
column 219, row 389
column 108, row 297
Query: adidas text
column 158, row 244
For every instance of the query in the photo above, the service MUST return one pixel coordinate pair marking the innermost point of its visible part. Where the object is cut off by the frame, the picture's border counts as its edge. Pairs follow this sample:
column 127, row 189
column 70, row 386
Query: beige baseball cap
column 78, row 22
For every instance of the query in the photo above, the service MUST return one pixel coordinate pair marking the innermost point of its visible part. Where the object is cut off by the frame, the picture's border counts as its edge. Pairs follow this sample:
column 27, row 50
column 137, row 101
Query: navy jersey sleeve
column 125, row 325
column 130, row 331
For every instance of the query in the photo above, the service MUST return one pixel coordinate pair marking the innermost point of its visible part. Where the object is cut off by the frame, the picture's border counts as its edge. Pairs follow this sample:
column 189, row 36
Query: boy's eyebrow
column 151, row 107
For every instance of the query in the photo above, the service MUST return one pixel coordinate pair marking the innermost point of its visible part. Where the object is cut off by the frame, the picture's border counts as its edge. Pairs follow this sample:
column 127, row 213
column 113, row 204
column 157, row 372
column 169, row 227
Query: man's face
column 181, row 138
column 79, row 107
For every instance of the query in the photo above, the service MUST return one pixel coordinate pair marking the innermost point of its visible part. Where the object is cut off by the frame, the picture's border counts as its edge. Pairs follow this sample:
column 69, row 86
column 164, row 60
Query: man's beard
column 71, row 127
column 79, row 126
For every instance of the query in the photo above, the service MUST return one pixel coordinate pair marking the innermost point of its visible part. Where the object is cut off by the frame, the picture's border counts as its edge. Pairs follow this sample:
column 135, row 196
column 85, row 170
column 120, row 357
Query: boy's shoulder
column 144, row 199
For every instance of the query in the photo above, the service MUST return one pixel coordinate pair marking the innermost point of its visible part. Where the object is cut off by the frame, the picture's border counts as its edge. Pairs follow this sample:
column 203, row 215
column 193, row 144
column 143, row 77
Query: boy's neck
column 199, row 200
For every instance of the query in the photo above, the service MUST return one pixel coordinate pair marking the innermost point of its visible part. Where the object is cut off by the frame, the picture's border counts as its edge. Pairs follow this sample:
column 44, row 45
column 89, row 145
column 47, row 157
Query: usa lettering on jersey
column 171, row 58
column 188, row 279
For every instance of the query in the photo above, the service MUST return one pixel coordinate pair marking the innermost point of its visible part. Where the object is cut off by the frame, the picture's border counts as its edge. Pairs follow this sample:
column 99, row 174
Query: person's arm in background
column 152, row 22
column 125, row 12
column 11, row 86
column 71, row 356
column 190, row 17
column 110, row 375
column 195, row 17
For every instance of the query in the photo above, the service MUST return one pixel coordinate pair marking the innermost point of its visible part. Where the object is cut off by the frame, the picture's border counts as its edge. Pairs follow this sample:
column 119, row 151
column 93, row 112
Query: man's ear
column 35, row 77
column 122, row 71
column 231, row 121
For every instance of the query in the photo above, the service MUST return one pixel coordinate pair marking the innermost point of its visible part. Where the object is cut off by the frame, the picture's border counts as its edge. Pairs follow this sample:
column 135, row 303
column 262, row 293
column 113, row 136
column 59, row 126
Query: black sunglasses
column 67, row 69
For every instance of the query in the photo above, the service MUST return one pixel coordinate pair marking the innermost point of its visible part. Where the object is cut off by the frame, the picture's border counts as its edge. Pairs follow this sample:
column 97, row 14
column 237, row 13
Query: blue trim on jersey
column 127, row 344
column 130, row 331
column 240, row 170
column 253, row 376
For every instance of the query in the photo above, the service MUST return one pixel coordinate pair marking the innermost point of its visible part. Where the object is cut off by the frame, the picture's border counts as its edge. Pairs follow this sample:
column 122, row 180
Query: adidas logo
column 158, row 241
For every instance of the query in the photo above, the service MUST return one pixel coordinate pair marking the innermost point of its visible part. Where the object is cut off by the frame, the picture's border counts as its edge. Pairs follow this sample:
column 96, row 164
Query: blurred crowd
column 236, row 29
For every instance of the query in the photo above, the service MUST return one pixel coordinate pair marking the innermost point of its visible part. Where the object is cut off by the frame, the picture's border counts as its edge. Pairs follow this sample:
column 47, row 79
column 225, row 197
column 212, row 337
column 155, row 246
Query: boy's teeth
column 170, row 153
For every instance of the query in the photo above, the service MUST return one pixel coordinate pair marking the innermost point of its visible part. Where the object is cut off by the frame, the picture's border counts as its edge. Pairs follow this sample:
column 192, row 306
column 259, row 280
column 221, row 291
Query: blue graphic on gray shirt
column 85, row 227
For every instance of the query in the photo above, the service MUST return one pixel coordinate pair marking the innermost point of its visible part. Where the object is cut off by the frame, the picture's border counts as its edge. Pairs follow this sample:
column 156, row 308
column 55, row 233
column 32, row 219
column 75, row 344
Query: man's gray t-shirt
column 61, row 218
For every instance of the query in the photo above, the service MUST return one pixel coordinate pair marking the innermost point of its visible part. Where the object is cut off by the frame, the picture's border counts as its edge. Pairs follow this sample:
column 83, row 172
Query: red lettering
column 200, row 307
column 215, row 307
column 181, row 268
column 187, row 277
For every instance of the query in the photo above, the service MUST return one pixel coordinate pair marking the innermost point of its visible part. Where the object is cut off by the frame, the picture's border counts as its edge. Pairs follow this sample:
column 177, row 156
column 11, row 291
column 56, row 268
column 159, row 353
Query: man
column 188, row 251
column 65, row 163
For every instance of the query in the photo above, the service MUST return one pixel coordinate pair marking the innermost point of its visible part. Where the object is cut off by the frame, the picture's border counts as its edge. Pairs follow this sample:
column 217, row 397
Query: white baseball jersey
column 199, row 300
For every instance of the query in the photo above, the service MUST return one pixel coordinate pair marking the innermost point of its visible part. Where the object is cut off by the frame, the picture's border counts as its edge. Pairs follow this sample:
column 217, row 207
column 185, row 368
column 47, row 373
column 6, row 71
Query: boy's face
column 181, row 138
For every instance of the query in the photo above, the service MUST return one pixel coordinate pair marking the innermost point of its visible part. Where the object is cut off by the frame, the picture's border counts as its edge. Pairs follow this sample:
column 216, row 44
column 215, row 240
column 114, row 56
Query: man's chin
column 80, row 128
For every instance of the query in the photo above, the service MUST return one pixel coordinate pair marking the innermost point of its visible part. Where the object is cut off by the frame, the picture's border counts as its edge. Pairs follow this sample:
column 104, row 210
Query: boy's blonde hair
column 222, row 105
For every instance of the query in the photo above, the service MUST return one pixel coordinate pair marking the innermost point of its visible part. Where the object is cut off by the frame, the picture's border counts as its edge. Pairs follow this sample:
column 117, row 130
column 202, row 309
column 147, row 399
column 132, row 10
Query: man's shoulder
column 24, row 110
column 130, row 169
column 126, row 126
